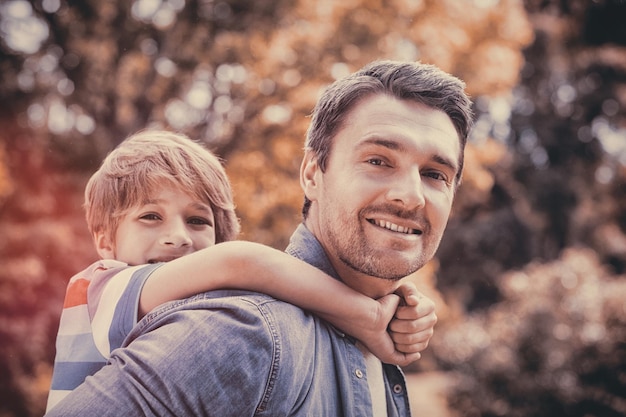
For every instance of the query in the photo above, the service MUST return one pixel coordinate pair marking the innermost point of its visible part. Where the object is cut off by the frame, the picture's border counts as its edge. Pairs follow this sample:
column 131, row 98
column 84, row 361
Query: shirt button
column 397, row 388
column 358, row 373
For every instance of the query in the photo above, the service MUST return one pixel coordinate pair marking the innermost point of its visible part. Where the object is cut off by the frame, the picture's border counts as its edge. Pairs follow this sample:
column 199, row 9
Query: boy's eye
column 150, row 216
column 199, row 221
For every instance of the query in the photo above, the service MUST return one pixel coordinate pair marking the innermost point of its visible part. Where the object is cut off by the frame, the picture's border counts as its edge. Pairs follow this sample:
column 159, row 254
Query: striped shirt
column 99, row 310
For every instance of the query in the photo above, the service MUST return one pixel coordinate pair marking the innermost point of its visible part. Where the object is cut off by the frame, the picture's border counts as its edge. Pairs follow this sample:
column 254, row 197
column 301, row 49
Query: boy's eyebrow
column 195, row 205
column 201, row 207
column 398, row 146
column 148, row 201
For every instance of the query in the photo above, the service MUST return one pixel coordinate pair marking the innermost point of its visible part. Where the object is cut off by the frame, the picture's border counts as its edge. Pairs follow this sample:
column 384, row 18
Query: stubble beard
column 354, row 250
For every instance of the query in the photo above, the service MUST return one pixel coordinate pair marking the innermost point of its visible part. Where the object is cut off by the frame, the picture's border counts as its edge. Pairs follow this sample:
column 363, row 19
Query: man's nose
column 407, row 189
column 176, row 234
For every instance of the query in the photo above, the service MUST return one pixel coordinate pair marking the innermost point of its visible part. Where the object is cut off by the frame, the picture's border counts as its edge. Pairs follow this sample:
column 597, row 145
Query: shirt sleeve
column 214, row 357
column 114, row 303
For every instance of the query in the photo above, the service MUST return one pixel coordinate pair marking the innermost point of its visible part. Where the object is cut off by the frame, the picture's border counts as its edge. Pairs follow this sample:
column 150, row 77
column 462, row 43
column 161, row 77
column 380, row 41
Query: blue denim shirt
column 236, row 353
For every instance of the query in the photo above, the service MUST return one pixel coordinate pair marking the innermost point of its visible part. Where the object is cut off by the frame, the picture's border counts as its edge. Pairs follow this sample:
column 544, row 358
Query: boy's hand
column 414, row 322
column 376, row 335
column 396, row 328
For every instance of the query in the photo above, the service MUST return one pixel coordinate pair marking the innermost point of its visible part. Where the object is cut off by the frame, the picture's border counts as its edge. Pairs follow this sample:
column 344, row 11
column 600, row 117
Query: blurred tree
column 554, row 344
column 79, row 76
column 562, row 183
column 237, row 75
column 555, row 347
column 44, row 241
column 545, row 168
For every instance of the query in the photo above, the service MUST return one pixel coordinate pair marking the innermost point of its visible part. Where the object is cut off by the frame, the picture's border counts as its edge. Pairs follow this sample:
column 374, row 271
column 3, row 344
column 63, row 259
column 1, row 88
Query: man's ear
column 309, row 175
column 104, row 247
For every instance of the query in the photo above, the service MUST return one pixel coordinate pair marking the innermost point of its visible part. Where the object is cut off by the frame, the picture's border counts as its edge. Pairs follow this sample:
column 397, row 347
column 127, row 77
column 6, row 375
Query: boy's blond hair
column 148, row 161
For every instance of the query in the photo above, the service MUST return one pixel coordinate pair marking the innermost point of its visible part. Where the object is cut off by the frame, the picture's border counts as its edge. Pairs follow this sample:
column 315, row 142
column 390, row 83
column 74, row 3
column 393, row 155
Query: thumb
column 388, row 306
column 409, row 293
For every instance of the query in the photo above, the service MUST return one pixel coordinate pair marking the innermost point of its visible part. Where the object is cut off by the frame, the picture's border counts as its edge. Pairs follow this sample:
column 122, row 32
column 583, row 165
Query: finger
column 413, row 326
column 412, row 338
column 404, row 359
column 412, row 348
column 409, row 313
column 424, row 308
column 409, row 293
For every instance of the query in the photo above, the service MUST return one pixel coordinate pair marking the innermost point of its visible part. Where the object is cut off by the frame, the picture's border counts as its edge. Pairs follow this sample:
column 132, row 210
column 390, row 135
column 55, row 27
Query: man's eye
column 375, row 161
column 437, row 176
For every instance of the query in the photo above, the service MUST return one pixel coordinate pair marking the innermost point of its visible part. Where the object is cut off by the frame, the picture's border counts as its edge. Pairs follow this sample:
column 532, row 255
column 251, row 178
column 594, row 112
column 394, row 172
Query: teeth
column 393, row 227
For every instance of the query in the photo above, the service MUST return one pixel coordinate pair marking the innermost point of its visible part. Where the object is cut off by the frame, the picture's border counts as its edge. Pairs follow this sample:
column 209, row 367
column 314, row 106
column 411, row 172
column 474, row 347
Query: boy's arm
column 256, row 267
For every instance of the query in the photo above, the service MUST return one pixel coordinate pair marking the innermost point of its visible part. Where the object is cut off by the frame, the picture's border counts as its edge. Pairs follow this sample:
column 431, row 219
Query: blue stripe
column 125, row 315
column 69, row 375
column 77, row 348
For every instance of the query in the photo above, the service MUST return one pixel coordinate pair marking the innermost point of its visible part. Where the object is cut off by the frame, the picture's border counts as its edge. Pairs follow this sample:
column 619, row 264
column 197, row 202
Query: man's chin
column 390, row 269
column 395, row 265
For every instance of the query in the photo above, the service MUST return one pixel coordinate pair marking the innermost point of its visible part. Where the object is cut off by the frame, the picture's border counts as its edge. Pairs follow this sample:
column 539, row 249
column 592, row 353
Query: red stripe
column 76, row 293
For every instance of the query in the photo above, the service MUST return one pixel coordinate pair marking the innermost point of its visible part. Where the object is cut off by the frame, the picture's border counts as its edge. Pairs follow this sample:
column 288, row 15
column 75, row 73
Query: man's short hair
column 414, row 81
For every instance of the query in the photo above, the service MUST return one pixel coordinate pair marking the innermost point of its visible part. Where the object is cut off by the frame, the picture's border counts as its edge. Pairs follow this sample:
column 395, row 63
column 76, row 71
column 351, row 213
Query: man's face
column 170, row 225
column 382, row 205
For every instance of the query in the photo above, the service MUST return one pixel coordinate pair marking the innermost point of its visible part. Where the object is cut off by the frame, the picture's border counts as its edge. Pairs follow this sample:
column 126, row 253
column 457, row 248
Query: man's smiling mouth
column 394, row 227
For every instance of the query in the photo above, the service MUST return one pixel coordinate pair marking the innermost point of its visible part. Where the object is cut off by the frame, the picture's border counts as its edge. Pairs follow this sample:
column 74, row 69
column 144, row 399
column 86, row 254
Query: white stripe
column 109, row 301
column 74, row 320
column 77, row 348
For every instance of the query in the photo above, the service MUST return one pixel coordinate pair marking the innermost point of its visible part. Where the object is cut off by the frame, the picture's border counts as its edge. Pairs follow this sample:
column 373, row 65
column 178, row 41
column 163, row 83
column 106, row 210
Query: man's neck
column 373, row 287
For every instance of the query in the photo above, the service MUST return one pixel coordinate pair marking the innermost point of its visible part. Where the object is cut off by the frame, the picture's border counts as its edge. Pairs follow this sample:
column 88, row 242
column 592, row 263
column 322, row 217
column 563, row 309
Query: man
column 383, row 159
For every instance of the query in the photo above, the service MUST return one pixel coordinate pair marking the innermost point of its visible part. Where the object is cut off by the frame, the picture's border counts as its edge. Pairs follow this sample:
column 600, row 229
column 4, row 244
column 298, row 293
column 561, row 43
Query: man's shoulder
column 254, row 326
column 238, row 305
column 275, row 312
column 248, row 344
column 240, row 298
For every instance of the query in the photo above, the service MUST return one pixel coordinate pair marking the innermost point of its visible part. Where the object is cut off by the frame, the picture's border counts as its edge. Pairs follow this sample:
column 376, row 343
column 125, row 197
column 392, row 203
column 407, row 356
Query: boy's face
column 170, row 225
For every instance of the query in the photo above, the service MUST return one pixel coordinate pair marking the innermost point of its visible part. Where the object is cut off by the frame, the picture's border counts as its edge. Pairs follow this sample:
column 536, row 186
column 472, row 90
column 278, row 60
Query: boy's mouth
column 162, row 259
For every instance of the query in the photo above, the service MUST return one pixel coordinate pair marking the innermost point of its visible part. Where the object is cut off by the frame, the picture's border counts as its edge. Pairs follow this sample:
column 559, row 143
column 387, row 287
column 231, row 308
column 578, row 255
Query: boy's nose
column 177, row 235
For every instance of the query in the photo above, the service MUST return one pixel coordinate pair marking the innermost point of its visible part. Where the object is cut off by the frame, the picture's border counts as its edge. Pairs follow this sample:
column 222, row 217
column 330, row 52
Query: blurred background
column 530, row 277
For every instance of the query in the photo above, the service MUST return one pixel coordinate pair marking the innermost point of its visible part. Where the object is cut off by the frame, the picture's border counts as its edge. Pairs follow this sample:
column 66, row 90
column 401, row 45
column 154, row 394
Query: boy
column 157, row 208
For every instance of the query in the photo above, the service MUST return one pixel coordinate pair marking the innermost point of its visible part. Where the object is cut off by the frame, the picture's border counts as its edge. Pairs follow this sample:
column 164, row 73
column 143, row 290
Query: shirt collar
column 305, row 246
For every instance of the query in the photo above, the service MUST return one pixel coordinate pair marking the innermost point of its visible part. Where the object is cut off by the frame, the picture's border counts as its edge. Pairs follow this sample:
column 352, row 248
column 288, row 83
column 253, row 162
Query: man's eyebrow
column 398, row 146
column 387, row 143
column 446, row 162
